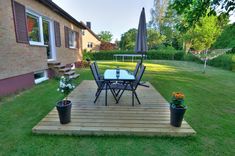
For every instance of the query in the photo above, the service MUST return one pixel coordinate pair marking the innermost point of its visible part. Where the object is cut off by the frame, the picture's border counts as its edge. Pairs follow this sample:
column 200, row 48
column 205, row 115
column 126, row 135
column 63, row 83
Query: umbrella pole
column 143, row 83
column 142, row 59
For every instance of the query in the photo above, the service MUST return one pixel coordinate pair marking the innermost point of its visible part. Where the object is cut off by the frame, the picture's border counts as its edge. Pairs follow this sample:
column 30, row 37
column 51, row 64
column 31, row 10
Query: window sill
column 37, row 44
column 37, row 81
column 73, row 48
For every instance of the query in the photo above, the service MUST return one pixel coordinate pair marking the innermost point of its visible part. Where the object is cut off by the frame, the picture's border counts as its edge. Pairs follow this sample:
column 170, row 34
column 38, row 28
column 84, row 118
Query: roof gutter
column 84, row 25
column 54, row 7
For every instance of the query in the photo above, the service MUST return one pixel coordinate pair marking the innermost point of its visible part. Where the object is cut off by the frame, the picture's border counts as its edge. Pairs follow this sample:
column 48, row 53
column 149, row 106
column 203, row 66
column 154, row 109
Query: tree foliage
column 105, row 36
column 192, row 10
column 173, row 37
column 158, row 13
column 128, row 39
column 226, row 40
column 154, row 39
column 204, row 34
column 164, row 19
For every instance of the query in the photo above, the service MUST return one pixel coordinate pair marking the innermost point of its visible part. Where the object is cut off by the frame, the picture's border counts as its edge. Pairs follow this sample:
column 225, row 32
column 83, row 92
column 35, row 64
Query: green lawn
column 211, row 112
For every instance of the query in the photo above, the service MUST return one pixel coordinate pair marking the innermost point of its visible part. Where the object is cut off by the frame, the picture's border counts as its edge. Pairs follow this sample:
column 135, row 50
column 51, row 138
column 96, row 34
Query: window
column 38, row 32
column 72, row 39
column 40, row 76
column 90, row 45
column 46, row 32
column 83, row 32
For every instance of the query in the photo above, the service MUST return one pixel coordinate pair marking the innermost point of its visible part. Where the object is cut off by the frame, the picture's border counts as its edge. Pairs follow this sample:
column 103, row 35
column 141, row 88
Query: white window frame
column 44, row 78
column 75, row 41
column 41, row 43
column 83, row 32
column 90, row 45
column 51, row 38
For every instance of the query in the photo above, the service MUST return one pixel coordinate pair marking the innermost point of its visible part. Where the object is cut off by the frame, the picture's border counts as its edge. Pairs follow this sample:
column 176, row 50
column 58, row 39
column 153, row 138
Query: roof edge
column 54, row 7
column 96, row 36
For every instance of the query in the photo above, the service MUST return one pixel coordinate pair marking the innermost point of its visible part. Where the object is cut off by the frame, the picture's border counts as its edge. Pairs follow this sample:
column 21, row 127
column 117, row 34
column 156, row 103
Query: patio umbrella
column 141, row 38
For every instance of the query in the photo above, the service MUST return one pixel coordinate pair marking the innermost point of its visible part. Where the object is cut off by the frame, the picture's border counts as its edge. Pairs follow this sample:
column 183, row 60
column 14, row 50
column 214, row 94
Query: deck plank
column 151, row 118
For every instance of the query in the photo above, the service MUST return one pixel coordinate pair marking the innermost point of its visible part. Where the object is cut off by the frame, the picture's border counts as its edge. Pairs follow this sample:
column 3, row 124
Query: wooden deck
column 151, row 118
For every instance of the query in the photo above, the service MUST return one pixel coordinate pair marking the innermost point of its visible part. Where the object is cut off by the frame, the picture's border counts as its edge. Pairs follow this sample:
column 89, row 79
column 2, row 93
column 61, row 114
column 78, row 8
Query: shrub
column 223, row 61
column 179, row 55
column 153, row 54
column 233, row 62
column 191, row 57
column 226, row 61
column 232, row 51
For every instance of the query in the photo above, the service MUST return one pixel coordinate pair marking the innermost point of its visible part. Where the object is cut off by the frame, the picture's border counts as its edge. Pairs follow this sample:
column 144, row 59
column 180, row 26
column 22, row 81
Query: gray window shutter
column 80, row 39
column 66, row 36
column 57, row 34
column 77, row 39
column 20, row 22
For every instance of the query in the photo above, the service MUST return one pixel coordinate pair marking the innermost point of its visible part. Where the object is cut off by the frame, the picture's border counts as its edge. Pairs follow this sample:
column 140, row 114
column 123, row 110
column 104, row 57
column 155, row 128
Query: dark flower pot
column 64, row 111
column 177, row 115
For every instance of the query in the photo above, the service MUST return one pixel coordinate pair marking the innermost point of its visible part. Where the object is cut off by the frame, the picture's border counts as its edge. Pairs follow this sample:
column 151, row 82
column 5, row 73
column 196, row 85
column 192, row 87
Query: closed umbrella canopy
column 141, row 38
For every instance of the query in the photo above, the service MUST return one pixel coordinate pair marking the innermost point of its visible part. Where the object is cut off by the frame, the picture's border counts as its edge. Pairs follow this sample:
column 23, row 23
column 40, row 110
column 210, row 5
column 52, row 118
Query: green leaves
column 128, row 39
column 154, row 39
column 204, row 33
column 192, row 11
column 105, row 36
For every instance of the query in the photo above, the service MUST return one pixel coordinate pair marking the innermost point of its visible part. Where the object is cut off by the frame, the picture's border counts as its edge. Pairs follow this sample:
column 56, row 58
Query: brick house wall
column 20, row 60
column 89, row 37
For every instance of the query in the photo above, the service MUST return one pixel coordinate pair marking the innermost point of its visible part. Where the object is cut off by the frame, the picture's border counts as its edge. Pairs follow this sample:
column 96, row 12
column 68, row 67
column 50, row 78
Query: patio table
column 111, row 75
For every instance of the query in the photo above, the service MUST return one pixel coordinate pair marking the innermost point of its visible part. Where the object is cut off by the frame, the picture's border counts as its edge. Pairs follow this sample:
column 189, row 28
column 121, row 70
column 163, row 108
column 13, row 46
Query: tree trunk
column 205, row 63
column 187, row 45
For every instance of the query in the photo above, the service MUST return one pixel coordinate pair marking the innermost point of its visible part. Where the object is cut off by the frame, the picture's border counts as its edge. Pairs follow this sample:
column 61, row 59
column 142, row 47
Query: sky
column 116, row 16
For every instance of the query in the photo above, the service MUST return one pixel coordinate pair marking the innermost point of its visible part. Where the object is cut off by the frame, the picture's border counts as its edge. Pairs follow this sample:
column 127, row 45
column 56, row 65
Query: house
column 36, row 34
column 90, row 41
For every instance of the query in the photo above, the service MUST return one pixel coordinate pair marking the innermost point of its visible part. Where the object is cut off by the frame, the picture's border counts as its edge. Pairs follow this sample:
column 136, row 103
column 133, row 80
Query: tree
column 164, row 19
column 158, row 13
column 105, row 36
column 173, row 37
column 128, row 39
column 204, row 34
column 192, row 10
column 154, row 38
column 226, row 40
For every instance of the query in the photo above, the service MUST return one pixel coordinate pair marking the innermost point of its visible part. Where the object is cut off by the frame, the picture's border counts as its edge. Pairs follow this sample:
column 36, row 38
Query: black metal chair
column 101, row 84
column 136, row 71
column 137, row 68
column 101, row 77
column 134, row 86
column 133, row 73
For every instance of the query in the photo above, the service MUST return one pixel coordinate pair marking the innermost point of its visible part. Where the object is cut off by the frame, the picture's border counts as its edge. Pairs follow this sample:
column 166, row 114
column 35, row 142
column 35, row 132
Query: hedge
column 152, row 55
column 226, row 61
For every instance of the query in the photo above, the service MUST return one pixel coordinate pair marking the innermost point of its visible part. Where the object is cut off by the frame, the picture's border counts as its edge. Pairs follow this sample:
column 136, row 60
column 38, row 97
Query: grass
column 211, row 110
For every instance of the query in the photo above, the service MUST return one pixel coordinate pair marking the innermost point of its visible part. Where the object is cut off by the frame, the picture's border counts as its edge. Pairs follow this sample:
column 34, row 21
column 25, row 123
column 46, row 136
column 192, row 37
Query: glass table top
column 112, row 74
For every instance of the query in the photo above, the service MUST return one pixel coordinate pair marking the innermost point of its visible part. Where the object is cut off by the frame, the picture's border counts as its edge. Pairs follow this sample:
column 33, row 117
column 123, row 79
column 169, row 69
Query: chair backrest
column 139, row 76
column 137, row 68
column 95, row 75
column 96, row 68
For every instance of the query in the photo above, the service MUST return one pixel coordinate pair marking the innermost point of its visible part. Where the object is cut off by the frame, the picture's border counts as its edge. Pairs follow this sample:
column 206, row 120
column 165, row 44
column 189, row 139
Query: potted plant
column 64, row 106
column 177, row 109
